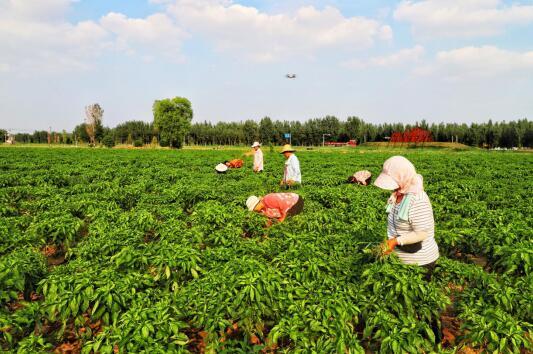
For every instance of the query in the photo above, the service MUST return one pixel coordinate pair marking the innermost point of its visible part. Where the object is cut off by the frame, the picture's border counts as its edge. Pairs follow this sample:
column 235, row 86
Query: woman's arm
column 421, row 220
column 412, row 237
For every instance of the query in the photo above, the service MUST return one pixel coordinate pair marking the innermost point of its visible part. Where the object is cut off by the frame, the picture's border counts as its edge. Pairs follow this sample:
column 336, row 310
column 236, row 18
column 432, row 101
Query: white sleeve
column 294, row 170
column 421, row 220
column 412, row 237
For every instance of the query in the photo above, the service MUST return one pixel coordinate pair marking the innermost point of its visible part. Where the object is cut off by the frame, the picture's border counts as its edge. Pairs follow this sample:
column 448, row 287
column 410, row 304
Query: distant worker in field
column 235, row 163
column 221, row 168
column 411, row 227
column 363, row 178
column 291, row 174
column 258, row 157
column 276, row 206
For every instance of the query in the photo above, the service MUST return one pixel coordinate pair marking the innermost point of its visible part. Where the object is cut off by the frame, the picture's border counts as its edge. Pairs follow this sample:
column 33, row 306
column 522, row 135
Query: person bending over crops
column 361, row 177
column 235, row 163
column 291, row 173
column 258, row 157
column 411, row 227
column 276, row 206
column 221, row 168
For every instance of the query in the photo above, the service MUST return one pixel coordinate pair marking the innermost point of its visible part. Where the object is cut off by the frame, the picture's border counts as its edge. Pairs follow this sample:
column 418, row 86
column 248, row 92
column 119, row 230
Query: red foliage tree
column 415, row 135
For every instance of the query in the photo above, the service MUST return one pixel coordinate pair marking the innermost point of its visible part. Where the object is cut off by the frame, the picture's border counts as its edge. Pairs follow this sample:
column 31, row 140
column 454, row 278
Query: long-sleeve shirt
column 258, row 160
column 292, row 170
column 277, row 204
column 420, row 226
column 235, row 163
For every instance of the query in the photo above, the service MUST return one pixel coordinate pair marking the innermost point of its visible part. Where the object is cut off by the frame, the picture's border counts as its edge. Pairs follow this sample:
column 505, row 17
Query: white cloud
column 246, row 31
column 35, row 46
column 404, row 56
column 36, row 37
column 40, row 10
column 461, row 18
column 479, row 62
column 156, row 33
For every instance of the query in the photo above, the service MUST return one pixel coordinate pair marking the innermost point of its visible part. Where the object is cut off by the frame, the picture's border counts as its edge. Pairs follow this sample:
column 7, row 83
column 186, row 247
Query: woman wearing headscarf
column 411, row 227
column 362, row 178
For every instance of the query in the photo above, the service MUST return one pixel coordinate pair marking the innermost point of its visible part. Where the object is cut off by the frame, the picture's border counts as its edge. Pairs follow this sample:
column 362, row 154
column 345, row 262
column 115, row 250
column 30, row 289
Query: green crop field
column 151, row 251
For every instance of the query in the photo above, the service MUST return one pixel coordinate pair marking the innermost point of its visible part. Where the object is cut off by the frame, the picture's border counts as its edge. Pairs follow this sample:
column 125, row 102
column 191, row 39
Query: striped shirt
column 420, row 219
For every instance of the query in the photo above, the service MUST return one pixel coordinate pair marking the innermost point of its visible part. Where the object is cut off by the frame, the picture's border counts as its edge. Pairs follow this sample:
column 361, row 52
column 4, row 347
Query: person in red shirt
column 235, row 163
column 276, row 205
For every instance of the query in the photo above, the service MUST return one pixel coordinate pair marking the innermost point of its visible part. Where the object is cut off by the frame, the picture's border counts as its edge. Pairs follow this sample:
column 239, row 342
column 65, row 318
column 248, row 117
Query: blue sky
column 384, row 61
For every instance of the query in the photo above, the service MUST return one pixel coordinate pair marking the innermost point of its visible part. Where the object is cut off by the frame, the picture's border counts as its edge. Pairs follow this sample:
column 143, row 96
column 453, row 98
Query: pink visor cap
column 384, row 181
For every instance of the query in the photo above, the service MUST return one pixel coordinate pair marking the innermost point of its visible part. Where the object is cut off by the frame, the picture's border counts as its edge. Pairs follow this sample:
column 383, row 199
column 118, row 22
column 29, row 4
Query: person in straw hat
column 291, row 173
column 411, row 226
column 276, row 206
column 258, row 157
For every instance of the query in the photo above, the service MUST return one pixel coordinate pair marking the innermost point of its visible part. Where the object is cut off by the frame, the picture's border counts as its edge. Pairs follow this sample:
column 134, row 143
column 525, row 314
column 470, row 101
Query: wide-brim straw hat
column 287, row 148
column 252, row 202
column 256, row 144
column 221, row 168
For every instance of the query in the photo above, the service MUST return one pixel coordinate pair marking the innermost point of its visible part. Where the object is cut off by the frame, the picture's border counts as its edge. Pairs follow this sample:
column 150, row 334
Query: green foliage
column 138, row 143
column 19, row 273
column 108, row 140
column 134, row 129
column 162, row 255
column 154, row 142
column 172, row 118
column 149, row 325
column 497, row 331
column 500, row 134
column 397, row 295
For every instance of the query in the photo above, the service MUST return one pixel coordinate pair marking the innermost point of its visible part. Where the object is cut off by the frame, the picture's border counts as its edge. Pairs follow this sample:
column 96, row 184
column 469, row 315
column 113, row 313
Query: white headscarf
column 399, row 173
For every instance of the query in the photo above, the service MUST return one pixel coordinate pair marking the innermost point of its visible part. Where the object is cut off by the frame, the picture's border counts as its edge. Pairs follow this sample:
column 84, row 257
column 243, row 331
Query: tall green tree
column 172, row 119
column 266, row 130
column 80, row 133
column 139, row 130
column 250, row 129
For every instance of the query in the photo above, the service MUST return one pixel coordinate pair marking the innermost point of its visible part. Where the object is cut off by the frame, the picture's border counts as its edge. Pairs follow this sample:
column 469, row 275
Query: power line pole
column 323, row 139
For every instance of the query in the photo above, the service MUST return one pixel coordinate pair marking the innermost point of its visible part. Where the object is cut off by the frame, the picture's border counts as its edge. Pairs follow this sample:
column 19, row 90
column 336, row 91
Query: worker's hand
column 389, row 245
column 290, row 182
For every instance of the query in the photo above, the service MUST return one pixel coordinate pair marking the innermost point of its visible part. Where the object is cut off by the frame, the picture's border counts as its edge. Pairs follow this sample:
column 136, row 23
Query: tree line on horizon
column 309, row 133
column 171, row 126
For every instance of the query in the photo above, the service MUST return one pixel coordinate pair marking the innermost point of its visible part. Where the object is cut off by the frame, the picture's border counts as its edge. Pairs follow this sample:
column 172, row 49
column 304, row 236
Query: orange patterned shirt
column 277, row 204
column 235, row 163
